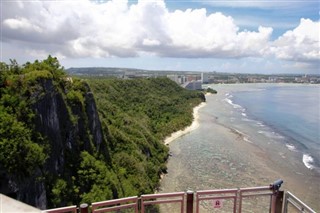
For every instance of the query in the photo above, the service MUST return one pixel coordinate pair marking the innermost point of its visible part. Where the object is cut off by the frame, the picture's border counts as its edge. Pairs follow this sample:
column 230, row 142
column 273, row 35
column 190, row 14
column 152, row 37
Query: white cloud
column 85, row 28
column 150, row 42
column 194, row 33
column 22, row 24
column 300, row 44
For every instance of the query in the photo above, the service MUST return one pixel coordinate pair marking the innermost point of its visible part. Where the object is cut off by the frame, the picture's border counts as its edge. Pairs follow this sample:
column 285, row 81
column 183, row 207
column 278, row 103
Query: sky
column 237, row 36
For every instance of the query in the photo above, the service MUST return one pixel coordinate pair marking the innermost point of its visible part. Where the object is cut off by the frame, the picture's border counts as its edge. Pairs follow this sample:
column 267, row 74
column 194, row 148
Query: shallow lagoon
column 235, row 148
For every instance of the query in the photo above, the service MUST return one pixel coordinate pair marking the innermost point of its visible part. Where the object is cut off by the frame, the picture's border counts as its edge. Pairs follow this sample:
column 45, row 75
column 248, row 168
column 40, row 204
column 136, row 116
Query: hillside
column 65, row 140
column 138, row 114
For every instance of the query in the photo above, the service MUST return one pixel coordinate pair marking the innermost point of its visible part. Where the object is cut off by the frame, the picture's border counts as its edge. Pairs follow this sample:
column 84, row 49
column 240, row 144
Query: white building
column 193, row 85
column 204, row 78
column 174, row 78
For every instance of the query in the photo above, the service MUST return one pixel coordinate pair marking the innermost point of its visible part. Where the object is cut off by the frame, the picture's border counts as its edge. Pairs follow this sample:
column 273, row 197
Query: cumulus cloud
column 300, row 44
column 85, row 28
column 116, row 28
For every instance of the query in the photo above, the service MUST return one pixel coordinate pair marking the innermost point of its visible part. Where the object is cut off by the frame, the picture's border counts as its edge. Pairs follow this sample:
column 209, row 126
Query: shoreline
column 193, row 126
column 235, row 157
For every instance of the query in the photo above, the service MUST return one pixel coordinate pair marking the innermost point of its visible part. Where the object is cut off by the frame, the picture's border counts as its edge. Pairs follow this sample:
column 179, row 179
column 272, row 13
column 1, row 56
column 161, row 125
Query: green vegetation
column 212, row 91
column 19, row 153
column 139, row 114
column 22, row 149
column 35, row 100
column 82, row 161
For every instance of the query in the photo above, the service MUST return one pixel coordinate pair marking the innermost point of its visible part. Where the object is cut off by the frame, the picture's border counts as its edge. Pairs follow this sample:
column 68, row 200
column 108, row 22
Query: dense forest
column 65, row 140
column 138, row 114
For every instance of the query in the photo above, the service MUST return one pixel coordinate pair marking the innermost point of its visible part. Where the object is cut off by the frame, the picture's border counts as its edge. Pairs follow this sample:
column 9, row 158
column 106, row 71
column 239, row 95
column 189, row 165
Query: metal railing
column 177, row 197
column 187, row 199
column 217, row 196
column 72, row 209
column 289, row 198
column 117, row 204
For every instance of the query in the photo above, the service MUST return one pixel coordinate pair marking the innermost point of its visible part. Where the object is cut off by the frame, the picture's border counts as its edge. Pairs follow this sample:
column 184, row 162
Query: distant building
column 179, row 79
column 174, row 78
column 183, row 79
column 204, row 78
column 191, row 78
column 193, row 85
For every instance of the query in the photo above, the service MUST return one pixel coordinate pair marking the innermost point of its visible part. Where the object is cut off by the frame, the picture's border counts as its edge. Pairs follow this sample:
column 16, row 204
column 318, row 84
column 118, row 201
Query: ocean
column 289, row 114
column 250, row 135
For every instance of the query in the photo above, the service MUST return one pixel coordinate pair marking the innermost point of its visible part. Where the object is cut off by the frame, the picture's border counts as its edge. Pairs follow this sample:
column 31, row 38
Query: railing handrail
column 161, row 195
column 186, row 200
column 243, row 192
column 215, row 191
column 217, row 194
column 253, row 189
column 296, row 202
column 179, row 198
column 116, row 204
column 115, row 201
column 62, row 209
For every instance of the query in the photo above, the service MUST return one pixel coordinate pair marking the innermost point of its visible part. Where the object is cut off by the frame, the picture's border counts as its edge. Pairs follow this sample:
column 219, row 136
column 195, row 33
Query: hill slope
column 139, row 114
column 64, row 142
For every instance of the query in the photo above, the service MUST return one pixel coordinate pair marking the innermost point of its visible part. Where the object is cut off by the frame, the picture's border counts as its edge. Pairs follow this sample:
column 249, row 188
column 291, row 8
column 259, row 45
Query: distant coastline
column 211, row 77
column 193, row 126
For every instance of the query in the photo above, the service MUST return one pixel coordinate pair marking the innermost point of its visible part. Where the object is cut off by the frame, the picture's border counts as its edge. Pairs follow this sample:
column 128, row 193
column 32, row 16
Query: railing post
column 190, row 201
column 84, row 208
column 279, row 201
column 277, row 197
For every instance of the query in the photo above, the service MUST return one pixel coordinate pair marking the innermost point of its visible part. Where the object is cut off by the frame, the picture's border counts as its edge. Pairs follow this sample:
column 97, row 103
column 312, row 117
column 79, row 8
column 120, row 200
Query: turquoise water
column 291, row 112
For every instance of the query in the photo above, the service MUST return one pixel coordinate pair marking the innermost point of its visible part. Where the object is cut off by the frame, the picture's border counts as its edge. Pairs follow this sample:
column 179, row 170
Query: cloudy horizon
column 224, row 36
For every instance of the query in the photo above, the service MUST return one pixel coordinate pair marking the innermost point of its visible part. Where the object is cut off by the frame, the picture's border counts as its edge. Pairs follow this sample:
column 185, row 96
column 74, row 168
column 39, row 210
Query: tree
column 19, row 154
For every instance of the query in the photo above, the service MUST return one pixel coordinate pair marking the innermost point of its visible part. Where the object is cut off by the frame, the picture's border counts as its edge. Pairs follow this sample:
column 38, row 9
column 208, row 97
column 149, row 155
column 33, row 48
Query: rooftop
column 9, row 205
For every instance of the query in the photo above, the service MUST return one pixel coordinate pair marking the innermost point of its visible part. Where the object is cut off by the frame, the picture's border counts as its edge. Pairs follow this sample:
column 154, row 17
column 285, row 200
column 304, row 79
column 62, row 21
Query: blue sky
column 225, row 36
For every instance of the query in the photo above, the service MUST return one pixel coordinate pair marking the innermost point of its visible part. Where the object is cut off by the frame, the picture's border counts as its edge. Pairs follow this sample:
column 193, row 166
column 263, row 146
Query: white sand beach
column 193, row 126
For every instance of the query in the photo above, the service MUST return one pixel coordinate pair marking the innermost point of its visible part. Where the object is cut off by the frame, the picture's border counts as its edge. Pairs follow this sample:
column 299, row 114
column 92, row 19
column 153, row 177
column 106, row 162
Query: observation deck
column 237, row 200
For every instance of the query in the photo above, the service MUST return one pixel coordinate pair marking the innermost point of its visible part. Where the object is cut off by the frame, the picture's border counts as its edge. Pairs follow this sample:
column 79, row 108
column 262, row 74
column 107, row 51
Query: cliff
column 61, row 119
column 70, row 126
column 63, row 142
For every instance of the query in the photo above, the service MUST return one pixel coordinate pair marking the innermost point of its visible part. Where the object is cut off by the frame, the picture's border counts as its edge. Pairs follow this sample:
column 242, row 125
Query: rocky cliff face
column 69, row 127
column 54, row 149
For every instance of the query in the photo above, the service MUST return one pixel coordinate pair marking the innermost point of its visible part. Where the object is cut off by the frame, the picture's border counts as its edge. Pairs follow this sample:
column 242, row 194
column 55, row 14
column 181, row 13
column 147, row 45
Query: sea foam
column 307, row 160
column 291, row 147
column 260, row 124
column 235, row 106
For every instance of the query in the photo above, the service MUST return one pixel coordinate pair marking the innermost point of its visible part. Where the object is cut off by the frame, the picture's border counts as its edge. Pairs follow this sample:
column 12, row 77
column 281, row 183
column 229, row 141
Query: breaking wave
column 308, row 161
